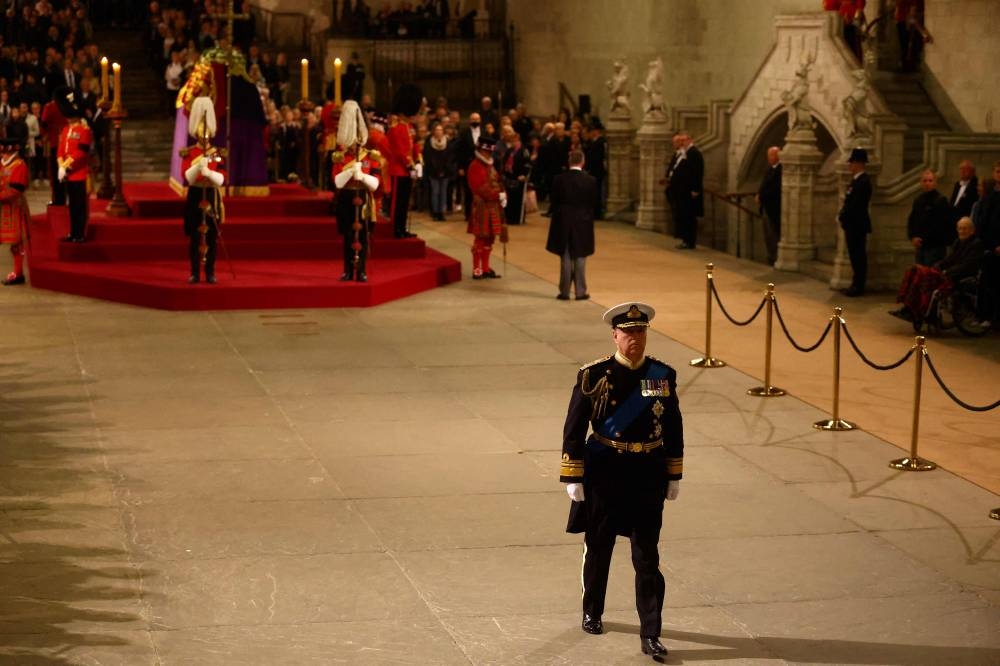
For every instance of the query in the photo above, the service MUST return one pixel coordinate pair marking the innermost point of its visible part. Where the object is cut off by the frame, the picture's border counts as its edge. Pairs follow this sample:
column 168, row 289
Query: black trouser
column 857, row 250
column 58, row 187
column 988, row 303
column 401, row 186
column 194, row 250
column 76, row 190
column 687, row 222
column 772, row 234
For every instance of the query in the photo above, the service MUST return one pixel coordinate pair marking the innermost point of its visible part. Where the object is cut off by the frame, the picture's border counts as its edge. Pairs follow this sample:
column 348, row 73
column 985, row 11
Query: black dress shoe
column 478, row 277
column 491, row 274
column 652, row 646
column 210, row 279
column 592, row 625
column 562, row 297
column 346, row 277
column 79, row 239
column 584, row 297
column 193, row 279
column 67, row 239
column 13, row 279
column 684, row 246
column 362, row 277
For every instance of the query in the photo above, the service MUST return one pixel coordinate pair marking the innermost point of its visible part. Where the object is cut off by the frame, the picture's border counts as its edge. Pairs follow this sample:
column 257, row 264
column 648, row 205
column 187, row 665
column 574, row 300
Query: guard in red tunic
column 73, row 160
column 488, row 201
column 356, row 175
column 14, row 213
column 378, row 141
column 203, row 169
column 405, row 104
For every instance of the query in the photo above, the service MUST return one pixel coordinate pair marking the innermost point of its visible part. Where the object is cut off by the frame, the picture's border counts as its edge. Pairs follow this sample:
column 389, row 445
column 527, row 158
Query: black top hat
column 595, row 123
column 858, row 155
column 486, row 143
column 9, row 143
column 407, row 100
column 65, row 99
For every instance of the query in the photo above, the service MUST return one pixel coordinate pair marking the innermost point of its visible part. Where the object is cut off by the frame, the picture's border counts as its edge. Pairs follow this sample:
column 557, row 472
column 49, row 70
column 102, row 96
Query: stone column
column 655, row 149
column 621, row 138
column 842, row 272
column 800, row 160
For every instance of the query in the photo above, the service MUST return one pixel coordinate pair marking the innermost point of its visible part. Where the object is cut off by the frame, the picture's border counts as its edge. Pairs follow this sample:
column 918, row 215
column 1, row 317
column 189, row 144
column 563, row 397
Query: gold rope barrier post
column 707, row 361
column 836, row 423
column 915, row 463
column 767, row 391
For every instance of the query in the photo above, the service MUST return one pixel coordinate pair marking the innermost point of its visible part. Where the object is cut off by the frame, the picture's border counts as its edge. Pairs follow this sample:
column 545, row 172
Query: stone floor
column 380, row 486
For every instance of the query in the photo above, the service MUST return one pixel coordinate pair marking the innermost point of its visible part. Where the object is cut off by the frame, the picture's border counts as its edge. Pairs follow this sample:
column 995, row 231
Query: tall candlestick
column 337, row 64
column 118, row 85
column 104, row 78
column 305, row 78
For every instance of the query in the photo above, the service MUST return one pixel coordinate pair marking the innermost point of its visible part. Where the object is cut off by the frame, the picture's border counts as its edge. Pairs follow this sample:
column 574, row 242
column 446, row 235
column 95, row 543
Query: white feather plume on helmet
column 352, row 128
column 202, row 109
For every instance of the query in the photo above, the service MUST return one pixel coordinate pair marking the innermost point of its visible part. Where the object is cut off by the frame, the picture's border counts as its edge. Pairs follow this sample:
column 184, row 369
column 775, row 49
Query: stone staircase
column 906, row 97
column 147, row 133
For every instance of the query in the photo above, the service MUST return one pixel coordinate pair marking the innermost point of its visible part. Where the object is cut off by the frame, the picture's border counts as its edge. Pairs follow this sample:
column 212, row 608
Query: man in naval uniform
column 619, row 476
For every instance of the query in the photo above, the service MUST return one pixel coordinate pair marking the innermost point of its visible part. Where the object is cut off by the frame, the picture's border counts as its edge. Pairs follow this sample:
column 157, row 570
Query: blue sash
column 633, row 405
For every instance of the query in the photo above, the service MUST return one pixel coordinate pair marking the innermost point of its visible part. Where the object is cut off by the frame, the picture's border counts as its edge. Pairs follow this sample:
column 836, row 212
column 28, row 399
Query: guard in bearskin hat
column 14, row 215
column 356, row 174
column 406, row 103
column 73, row 167
column 378, row 141
column 204, row 170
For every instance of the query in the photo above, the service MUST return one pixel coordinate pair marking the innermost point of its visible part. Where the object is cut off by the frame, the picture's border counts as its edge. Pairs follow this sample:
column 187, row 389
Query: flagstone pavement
column 380, row 486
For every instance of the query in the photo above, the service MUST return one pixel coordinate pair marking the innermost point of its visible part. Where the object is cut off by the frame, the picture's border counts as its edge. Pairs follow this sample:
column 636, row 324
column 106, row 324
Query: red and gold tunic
column 215, row 164
column 74, row 146
column 487, row 214
column 379, row 142
column 13, row 207
column 202, row 191
column 329, row 118
column 371, row 165
column 401, row 149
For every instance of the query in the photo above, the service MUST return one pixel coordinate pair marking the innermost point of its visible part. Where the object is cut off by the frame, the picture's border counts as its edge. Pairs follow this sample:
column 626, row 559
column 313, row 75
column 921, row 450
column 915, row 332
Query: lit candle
column 118, row 85
column 337, row 64
column 305, row 78
column 104, row 78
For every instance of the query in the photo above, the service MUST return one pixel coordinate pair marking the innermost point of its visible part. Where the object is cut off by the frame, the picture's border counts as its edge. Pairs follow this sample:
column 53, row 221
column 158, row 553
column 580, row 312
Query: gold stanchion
column 914, row 463
column 836, row 423
column 707, row 361
column 767, row 391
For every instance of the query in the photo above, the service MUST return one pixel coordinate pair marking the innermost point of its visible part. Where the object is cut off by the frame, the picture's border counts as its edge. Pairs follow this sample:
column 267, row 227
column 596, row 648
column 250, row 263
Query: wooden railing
column 744, row 214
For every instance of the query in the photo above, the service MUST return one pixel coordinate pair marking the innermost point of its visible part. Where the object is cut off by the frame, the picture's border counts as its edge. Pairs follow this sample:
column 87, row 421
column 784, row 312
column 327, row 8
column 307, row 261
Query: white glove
column 575, row 491
column 673, row 490
column 359, row 173
column 418, row 170
column 62, row 173
column 503, row 199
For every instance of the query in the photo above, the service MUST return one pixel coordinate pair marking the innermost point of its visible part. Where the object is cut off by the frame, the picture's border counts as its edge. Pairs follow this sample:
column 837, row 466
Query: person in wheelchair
column 964, row 258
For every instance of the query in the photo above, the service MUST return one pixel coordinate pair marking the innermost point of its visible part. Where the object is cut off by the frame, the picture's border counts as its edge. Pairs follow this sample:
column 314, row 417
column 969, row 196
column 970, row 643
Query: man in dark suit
column 856, row 221
column 571, row 231
column 686, row 188
column 930, row 226
column 465, row 152
column 965, row 192
column 769, row 198
column 678, row 143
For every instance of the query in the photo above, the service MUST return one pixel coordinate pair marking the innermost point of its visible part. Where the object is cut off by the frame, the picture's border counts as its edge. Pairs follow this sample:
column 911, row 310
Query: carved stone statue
column 618, row 87
column 855, row 107
column 653, row 106
column 796, row 98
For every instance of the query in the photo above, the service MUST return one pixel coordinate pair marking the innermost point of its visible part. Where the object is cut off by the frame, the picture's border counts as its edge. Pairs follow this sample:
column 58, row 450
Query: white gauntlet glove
column 62, row 174
column 575, row 491
column 503, row 199
column 673, row 490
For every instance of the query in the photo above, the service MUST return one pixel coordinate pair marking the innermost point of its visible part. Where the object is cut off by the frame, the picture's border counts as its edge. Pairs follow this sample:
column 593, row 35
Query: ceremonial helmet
column 351, row 129
column 202, row 123
column 65, row 100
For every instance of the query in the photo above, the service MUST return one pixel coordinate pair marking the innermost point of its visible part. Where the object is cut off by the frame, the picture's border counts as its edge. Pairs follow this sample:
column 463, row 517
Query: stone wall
column 711, row 48
column 962, row 58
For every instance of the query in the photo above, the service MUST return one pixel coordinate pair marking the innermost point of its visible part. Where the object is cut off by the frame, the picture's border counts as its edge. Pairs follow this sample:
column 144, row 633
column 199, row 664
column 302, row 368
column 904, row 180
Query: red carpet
column 285, row 252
